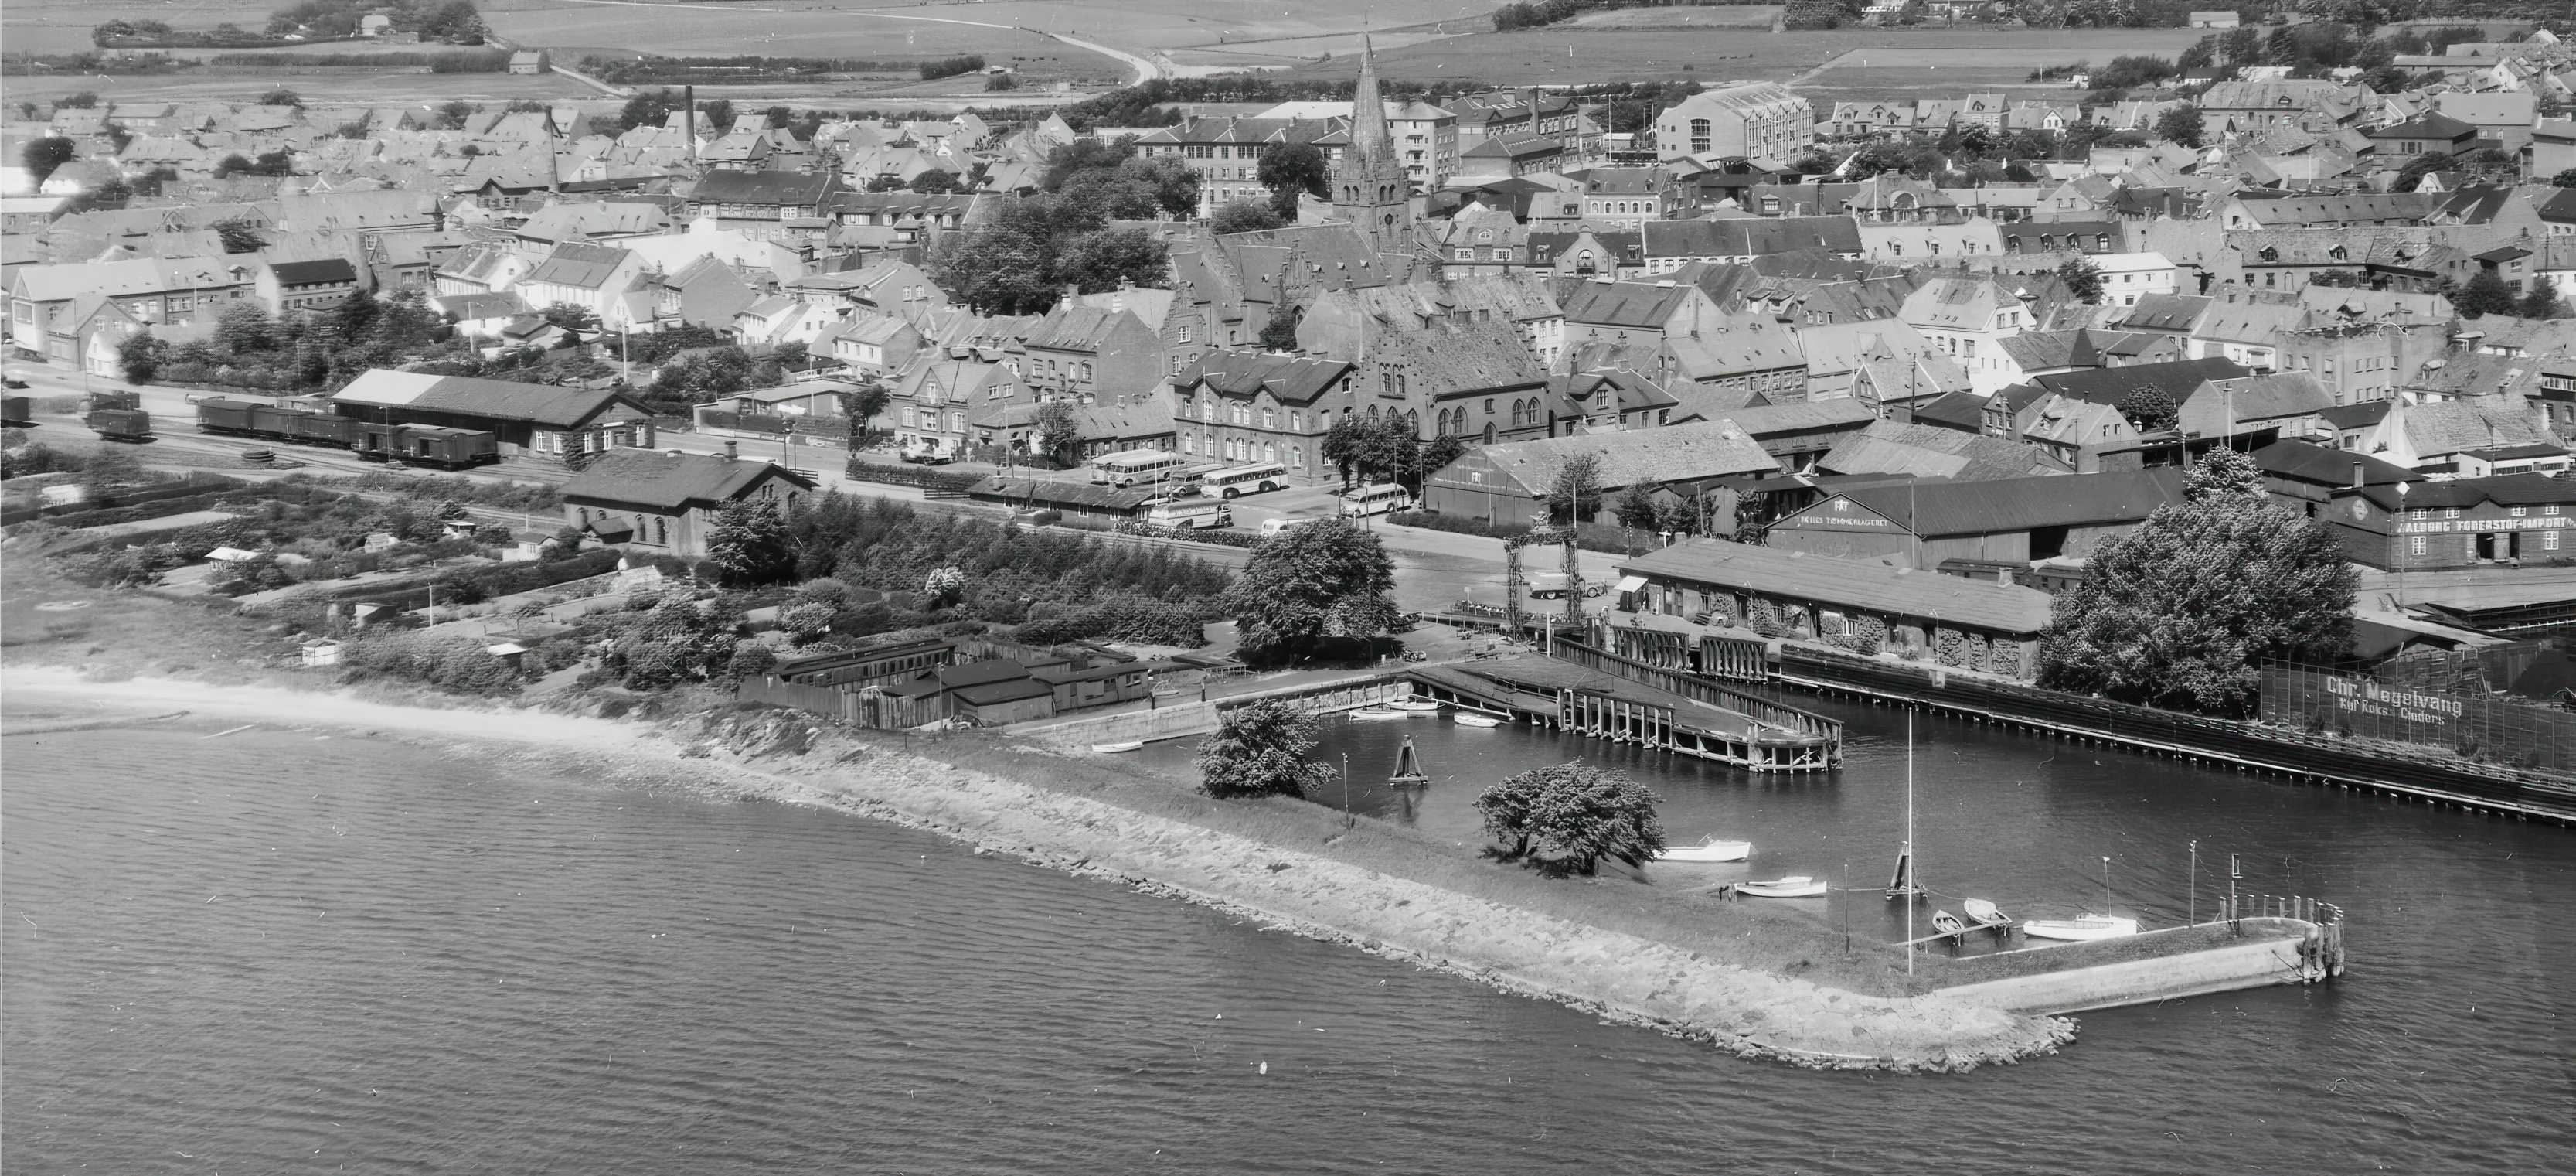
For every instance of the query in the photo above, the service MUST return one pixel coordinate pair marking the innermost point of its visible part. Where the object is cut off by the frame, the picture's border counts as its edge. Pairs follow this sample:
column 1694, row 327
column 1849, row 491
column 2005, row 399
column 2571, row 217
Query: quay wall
column 2276, row 957
column 2215, row 741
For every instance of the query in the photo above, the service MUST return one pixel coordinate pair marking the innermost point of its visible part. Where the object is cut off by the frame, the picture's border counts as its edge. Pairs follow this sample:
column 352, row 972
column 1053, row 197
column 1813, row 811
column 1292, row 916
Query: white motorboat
column 1372, row 714
column 1468, row 719
column 1711, row 850
column 2082, row 927
column 1983, row 912
column 1793, row 886
column 1114, row 748
column 1419, row 706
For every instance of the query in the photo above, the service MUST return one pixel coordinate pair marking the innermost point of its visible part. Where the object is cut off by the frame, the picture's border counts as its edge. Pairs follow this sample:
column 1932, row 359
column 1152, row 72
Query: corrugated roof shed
column 1933, row 510
column 542, row 404
column 1866, row 585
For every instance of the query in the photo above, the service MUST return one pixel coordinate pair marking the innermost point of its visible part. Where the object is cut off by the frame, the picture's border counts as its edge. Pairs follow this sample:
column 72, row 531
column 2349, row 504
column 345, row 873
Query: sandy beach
column 776, row 755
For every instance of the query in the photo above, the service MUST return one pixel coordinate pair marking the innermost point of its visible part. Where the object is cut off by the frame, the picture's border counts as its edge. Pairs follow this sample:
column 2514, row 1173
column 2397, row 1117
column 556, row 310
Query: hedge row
column 925, row 477
column 1244, row 539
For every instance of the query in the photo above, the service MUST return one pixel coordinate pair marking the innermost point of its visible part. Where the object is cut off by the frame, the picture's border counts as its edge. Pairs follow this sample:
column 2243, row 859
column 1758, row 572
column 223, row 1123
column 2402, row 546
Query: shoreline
column 1618, row 975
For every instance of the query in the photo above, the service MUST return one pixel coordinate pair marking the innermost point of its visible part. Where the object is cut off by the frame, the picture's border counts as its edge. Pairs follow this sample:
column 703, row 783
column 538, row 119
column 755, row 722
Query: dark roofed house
column 292, row 287
column 2014, row 520
column 2456, row 524
column 527, row 418
column 669, row 501
column 763, row 203
column 2304, row 477
column 2433, row 134
column 1673, row 244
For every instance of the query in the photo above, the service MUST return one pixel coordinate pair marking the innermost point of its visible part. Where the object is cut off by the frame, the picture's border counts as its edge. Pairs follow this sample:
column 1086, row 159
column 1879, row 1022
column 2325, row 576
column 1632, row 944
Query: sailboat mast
column 1911, row 868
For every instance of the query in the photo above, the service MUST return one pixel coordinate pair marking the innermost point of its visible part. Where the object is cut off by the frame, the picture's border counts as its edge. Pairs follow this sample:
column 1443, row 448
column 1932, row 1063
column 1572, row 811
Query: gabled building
column 1670, row 245
column 1509, row 483
column 296, row 287
column 1086, row 352
column 1241, row 407
column 539, row 419
column 668, row 502
column 2017, row 520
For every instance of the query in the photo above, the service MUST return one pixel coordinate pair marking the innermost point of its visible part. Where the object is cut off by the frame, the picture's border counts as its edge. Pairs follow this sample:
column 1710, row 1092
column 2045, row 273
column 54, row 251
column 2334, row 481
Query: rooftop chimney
column 733, row 451
column 2357, row 480
column 689, row 120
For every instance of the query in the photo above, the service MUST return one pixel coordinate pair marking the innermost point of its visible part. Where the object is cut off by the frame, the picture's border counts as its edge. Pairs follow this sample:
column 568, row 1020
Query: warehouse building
column 1970, row 624
column 527, row 418
column 1971, row 526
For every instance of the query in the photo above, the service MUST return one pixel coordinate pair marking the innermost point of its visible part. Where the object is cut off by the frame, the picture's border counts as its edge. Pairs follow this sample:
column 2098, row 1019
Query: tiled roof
column 670, row 481
column 1890, row 447
column 1750, row 236
column 1289, row 379
column 1675, row 453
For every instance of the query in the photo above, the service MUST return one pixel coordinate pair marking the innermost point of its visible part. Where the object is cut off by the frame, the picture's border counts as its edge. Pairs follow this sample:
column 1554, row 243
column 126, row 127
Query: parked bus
column 1250, row 479
column 1134, row 466
column 1190, row 514
column 1382, row 498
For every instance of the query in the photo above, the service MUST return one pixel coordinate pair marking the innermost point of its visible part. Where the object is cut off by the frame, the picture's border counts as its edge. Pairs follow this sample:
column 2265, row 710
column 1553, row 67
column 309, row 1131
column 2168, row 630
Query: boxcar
column 121, row 424
column 17, row 410
column 268, row 420
column 224, row 414
column 452, row 449
column 318, row 428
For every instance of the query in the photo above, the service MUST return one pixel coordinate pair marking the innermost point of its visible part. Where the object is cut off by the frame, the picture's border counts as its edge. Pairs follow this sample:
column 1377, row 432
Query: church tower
column 1369, row 184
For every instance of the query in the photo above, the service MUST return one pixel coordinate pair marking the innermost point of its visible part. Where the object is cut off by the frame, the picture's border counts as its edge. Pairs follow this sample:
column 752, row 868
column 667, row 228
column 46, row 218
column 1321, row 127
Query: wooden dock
column 1577, row 699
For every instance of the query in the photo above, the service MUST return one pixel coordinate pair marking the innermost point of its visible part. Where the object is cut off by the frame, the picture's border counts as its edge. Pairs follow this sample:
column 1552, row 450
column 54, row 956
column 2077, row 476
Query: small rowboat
column 1947, row 923
column 1793, row 886
column 1983, row 913
column 1419, row 706
column 1371, row 714
column 2085, row 927
column 1711, row 850
column 1114, row 748
column 1465, row 719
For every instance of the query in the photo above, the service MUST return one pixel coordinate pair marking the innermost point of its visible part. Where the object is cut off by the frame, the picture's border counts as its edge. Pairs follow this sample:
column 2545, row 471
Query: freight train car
column 120, row 424
column 226, row 414
column 452, row 449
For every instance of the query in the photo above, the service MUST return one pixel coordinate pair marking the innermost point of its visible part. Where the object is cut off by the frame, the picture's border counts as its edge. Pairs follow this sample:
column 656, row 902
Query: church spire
column 1369, row 137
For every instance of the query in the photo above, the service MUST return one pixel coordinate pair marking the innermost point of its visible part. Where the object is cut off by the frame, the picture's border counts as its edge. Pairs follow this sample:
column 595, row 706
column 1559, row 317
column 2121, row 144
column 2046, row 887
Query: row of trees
column 251, row 348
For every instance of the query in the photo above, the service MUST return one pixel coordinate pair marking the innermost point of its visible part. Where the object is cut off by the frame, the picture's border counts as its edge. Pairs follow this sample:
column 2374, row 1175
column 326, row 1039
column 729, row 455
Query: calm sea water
column 268, row 953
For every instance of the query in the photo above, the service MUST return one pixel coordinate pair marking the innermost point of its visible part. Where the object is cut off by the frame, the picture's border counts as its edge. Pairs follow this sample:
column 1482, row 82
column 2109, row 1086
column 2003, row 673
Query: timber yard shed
column 1099, row 507
column 1976, row 624
column 526, row 418
column 2016, row 520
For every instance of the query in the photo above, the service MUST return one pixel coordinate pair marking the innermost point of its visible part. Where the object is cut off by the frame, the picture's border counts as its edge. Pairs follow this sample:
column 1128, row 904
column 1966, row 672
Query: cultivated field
column 1711, row 17
column 1573, row 53
column 353, row 86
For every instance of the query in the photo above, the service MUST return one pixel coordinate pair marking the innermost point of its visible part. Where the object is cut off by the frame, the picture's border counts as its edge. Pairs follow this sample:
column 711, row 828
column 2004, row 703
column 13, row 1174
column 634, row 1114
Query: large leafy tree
column 2182, row 125
column 43, row 156
column 2150, row 409
column 1289, row 169
column 1059, row 435
column 2083, row 279
column 862, row 405
column 749, row 545
column 1574, row 494
column 2181, row 612
column 2542, row 302
column 1252, row 216
column 1263, row 748
column 2484, row 295
column 1567, row 819
column 1323, row 579
column 139, row 357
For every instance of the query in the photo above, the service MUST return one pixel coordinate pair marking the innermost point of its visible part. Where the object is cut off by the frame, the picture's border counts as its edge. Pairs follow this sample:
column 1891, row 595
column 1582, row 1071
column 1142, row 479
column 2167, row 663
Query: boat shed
column 524, row 418
column 1973, row 624
column 2018, row 520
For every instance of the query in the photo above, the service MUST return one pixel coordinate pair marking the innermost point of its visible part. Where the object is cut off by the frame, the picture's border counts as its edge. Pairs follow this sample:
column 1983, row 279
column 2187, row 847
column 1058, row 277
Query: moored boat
column 1419, row 706
column 1711, row 850
column 2080, row 928
column 1469, row 719
column 1114, row 748
column 1947, row 923
column 1793, row 886
column 1983, row 912
column 1371, row 714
